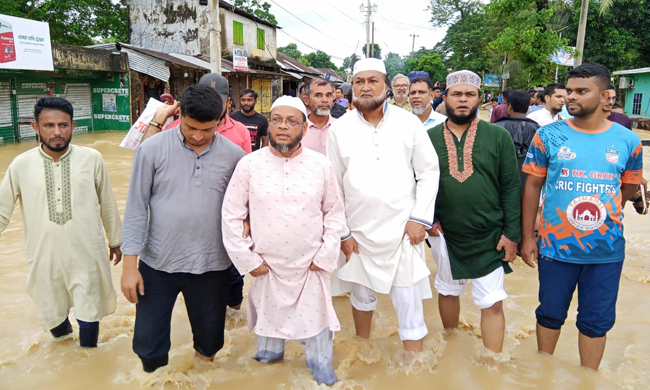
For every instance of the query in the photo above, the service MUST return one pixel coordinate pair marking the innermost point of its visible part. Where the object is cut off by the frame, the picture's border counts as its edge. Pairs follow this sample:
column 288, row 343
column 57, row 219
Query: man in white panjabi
column 388, row 173
column 65, row 196
column 291, row 196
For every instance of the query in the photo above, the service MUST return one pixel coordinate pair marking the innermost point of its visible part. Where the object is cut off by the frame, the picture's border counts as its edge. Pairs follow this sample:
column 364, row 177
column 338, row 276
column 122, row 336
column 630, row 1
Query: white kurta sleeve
column 327, row 255
column 233, row 213
column 9, row 193
column 427, row 174
column 109, row 212
column 334, row 155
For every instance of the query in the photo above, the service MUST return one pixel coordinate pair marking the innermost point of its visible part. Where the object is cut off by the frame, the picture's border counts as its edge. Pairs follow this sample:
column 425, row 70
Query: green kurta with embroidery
column 64, row 206
column 479, row 197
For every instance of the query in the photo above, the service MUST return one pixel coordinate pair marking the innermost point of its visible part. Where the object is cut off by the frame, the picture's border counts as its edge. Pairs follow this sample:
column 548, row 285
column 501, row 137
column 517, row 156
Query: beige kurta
column 64, row 205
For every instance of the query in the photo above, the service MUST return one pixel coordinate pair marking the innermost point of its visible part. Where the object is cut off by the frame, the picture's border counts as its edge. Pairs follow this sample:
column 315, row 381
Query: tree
column 255, row 7
column 74, row 22
column 377, row 50
column 448, row 12
column 320, row 59
column 430, row 63
column 348, row 62
column 394, row 65
column 291, row 50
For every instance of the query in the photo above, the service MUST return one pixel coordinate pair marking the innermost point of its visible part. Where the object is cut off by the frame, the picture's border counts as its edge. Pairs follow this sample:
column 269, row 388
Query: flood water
column 31, row 359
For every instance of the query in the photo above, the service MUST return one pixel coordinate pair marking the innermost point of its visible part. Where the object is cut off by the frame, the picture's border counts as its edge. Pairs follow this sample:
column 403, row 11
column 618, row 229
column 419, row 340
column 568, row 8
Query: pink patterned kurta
column 296, row 217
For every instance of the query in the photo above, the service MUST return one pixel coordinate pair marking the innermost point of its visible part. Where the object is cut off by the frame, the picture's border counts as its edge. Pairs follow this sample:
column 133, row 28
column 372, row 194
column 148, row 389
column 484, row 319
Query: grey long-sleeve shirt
column 173, row 210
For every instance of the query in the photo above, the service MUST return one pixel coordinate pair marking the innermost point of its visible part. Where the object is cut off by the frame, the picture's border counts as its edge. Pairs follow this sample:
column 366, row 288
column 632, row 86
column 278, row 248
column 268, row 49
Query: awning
column 148, row 65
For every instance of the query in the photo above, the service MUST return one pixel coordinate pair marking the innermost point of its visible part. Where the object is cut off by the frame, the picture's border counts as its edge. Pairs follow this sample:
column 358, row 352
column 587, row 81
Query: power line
column 344, row 14
column 309, row 46
column 329, row 36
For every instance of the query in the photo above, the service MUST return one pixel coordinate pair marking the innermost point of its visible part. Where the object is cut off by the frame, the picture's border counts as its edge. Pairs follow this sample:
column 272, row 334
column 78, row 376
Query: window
column 238, row 33
column 260, row 39
column 636, row 104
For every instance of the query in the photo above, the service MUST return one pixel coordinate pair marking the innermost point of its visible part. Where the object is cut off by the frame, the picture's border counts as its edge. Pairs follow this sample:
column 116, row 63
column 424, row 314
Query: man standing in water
column 65, row 195
column 173, row 223
column 588, row 167
column 476, row 159
column 388, row 173
column 296, row 215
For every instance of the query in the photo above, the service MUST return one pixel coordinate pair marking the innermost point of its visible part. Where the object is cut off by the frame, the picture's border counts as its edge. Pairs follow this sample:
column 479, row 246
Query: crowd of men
column 311, row 206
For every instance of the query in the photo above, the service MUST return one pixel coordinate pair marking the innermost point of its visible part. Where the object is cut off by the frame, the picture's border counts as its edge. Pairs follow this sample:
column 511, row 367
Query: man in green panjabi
column 479, row 207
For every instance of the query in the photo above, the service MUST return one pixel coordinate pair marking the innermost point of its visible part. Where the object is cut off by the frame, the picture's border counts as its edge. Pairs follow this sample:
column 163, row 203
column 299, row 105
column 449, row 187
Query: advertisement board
column 562, row 57
column 492, row 80
column 25, row 44
column 240, row 60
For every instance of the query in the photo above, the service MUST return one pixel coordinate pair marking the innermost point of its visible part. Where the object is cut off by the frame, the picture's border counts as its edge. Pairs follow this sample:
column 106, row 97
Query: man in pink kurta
column 291, row 197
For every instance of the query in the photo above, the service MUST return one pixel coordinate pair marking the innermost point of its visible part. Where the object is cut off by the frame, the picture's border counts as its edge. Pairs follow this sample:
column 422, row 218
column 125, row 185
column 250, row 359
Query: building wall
column 267, row 56
column 642, row 86
column 170, row 26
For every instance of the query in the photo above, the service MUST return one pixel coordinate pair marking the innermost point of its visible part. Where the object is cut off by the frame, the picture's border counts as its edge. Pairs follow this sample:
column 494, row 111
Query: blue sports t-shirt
column 582, row 216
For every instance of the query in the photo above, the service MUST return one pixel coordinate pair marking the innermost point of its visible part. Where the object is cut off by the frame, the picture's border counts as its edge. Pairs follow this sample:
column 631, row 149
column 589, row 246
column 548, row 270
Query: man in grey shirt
column 173, row 222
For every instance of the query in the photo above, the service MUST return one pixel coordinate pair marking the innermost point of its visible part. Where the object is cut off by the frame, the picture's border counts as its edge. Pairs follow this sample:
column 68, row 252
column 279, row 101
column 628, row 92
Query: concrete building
column 634, row 86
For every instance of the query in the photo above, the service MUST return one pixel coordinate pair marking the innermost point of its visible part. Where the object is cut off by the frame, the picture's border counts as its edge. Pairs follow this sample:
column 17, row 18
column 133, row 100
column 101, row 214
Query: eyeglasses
column 400, row 86
column 611, row 99
column 290, row 122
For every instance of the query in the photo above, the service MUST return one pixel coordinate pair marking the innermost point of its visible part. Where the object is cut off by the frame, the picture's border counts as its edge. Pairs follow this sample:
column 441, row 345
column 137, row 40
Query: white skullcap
column 369, row 64
column 290, row 101
column 464, row 77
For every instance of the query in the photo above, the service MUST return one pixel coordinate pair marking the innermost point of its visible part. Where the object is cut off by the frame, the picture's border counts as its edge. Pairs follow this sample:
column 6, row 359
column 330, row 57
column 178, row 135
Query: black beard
column 249, row 110
column 283, row 148
column 461, row 119
column 57, row 149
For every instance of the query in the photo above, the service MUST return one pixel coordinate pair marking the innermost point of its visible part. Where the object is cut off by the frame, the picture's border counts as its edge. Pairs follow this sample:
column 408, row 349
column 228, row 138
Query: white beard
column 402, row 96
column 420, row 111
column 322, row 112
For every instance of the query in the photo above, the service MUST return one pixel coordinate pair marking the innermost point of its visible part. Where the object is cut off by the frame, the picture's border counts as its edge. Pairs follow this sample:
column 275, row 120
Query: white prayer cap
column 369, row 64
column 463, row 77
column 290, row 101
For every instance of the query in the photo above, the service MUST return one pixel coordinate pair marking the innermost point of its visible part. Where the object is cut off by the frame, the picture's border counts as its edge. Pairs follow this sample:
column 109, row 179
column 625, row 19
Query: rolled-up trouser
column 407, row 302
column 318, row 350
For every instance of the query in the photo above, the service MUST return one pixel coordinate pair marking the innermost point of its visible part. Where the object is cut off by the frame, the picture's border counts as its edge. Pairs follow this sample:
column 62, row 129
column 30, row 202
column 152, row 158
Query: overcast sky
column 338, row 28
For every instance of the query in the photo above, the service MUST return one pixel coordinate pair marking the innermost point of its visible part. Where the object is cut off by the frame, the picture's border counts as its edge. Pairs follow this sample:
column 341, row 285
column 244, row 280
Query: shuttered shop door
column 6, row 114
column 80, row 97
column 26, row 105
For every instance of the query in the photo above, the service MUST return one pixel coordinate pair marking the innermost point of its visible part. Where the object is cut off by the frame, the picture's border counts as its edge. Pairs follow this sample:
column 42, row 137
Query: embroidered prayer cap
column 218, row 82
column 369, row 64
column 463, row 77
column 290, row 101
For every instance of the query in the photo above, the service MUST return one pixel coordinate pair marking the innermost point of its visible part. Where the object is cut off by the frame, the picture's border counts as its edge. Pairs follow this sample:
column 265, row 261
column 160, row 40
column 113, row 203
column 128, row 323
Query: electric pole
column 368, row 9
column 215, row 37
column 372, row 43
column 582, row 28
column 413, row 47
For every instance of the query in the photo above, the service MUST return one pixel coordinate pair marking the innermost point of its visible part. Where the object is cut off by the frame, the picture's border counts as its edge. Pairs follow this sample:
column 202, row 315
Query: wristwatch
column 156, row 124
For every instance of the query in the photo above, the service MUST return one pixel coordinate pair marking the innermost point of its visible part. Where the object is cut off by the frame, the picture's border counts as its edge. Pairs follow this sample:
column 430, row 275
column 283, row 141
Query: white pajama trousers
column 318, row 350
column 407, row 302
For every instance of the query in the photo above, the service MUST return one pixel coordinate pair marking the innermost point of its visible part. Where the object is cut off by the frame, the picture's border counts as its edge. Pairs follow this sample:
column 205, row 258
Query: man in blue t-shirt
column 588, row 167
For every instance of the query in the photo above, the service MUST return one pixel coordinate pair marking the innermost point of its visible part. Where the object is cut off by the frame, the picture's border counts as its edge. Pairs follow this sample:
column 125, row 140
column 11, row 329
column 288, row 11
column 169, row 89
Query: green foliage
column 291, row 50
column 449, row 12
column 394, row 65
column 257, row 8
column 348, row 62
column 320, row 59
column 377, row 50
column 430, row 63
column 619, row 39
column 74, row 22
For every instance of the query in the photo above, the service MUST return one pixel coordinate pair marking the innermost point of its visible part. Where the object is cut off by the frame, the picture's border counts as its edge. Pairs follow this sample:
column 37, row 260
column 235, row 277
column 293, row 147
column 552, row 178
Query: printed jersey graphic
column 582, row 214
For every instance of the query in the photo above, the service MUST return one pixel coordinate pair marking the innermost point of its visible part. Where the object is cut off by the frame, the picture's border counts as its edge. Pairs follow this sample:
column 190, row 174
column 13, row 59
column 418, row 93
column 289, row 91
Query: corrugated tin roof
column 147, row 64
column 193, row 60
column 632, row 71
column 294, row 68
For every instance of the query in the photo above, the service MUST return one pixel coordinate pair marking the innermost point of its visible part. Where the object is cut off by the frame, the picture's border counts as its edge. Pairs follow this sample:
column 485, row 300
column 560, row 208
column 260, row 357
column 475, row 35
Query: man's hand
column 131, row 283
column 511, row 250
column 247, row 227
column 165, row 112
column 115, row 255
column 314, row 267
column 348, row 246
column 436, row 230
column 261, row 270
column 529, row 251
column 416, row 232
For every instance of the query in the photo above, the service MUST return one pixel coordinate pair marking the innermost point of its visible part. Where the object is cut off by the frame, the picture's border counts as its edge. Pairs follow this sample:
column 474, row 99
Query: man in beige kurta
column 65, row 196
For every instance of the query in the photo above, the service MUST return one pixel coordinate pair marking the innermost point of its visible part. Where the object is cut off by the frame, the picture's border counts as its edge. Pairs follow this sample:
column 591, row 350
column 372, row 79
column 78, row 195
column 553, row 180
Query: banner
column 240, row 60
column 492, row 80
column 25, row 44
column 562, row 57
